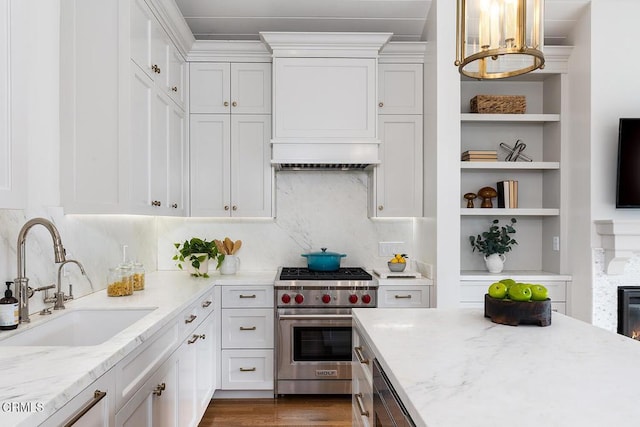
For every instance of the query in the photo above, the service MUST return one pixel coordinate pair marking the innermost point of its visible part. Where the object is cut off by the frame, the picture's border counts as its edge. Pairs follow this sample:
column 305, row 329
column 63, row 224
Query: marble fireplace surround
column 620, row 241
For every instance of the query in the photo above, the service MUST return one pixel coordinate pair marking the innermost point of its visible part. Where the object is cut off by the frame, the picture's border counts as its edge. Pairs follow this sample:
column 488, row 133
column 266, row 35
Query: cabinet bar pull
column 193, row 339
column 248, row 296
column 403, row 296
column 247, row 369
column 190, row 319
column 361, row 405
column 206, row 304
column 250, row 328
column 97, row 397
column 360, row 356
column 159, row 389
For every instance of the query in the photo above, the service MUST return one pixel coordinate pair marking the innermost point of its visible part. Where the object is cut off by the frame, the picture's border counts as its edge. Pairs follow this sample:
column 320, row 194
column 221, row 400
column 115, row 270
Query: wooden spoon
column 236, row 246
column 220, row 246
column 228, row 244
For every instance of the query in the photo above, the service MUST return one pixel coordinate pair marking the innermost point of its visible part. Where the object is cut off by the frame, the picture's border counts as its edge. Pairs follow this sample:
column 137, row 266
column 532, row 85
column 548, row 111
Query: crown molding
column 331, row 44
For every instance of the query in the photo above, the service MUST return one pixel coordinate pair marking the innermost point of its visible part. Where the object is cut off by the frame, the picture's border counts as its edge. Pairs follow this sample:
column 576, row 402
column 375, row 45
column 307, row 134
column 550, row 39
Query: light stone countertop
column 51, row 376
column 453, row 367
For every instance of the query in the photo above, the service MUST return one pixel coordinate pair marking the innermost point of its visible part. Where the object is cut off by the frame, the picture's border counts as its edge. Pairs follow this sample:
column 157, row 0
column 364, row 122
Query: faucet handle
column 46, row 297
column 43, row 288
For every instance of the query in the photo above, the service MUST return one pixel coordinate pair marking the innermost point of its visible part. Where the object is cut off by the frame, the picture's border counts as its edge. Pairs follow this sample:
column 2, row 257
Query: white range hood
column 325, row 99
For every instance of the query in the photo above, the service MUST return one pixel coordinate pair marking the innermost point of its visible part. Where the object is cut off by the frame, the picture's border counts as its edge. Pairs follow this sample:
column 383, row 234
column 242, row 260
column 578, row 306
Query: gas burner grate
column 344, row 273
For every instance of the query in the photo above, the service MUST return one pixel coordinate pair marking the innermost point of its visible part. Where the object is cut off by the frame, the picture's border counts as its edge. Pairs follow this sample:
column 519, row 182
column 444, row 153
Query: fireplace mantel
column 620, row 240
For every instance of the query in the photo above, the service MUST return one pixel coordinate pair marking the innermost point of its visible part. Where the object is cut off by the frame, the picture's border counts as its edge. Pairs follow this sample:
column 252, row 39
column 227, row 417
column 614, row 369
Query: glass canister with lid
column 119, row 282
column 138, row 276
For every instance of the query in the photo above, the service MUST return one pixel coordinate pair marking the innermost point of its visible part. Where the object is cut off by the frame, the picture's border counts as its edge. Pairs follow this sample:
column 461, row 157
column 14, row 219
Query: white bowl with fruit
column 512, row 303
column 398, row 263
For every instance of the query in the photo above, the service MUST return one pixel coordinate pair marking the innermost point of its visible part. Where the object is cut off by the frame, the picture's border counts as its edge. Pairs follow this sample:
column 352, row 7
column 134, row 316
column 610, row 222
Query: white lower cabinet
column 404, row 293
column 156, row 402
column 94, row 406
column 361, row 381
column 247, row 369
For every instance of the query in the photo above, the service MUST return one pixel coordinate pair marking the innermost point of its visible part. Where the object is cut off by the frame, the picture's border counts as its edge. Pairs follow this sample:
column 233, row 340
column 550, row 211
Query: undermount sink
column 83, row 327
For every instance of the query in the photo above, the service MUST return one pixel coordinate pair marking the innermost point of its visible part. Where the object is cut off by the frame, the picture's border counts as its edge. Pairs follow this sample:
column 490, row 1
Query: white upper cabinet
column 324, row 98
column 177, row 77
column 237, row 88
column 400, row 89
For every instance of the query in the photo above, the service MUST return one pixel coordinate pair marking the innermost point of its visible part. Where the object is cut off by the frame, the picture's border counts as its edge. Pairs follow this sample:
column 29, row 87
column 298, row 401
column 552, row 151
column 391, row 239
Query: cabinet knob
column 174, row 206
column 226, row 207
column 380, row 207
column 155, row 69
column 234, row 104
column 235, row 208
column 226, row 104
column 381, row 104
column 159, row 389
column 156, row 203
column 175, row 88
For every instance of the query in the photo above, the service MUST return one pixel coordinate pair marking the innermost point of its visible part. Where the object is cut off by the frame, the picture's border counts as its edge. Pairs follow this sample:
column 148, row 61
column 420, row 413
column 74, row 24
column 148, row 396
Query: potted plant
column 494, row 243
column 196, row 253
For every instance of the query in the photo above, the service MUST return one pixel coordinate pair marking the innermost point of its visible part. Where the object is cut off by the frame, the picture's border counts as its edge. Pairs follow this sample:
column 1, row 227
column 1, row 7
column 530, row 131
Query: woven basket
column 498, row 104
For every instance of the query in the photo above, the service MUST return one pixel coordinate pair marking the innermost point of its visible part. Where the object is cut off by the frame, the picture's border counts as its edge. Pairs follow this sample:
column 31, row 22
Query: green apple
column 497, row 290
column 508, row 282
column 539, row 293
column 520, row 292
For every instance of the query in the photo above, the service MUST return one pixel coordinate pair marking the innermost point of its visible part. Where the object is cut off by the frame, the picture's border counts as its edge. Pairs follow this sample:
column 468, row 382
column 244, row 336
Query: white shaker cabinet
column 231, row 173
column 400, row 89
column 396, row 190
column 236, row 88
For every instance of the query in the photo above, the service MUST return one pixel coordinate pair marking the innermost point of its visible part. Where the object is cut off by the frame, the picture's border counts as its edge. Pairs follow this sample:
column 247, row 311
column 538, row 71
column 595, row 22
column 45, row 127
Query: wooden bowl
column 514, row 313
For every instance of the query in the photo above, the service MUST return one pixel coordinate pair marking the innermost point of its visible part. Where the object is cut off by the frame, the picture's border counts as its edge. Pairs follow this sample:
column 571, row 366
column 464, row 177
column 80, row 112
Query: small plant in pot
column 195, row 254
column 494, row 243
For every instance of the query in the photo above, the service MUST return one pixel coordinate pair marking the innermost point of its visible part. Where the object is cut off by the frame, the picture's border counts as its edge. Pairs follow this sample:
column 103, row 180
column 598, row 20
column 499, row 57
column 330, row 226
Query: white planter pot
column 204, row 265
column 494, row 262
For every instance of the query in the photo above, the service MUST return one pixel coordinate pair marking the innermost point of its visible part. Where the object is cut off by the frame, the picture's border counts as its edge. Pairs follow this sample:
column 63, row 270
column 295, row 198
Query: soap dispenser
column 8, row 310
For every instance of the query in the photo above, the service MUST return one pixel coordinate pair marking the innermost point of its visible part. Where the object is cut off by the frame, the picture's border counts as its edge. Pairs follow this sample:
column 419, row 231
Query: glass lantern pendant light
column 499, row 38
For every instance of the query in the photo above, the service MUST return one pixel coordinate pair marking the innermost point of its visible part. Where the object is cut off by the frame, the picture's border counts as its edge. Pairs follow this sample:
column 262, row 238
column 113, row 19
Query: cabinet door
column 210, row 154
column 177, row 66
column 158, row 157
column 140, row 35
column 247, row 328
column 324, row 97
column 187, row 381
column 251, row 171
column 398, row 179
column 250, row 88
column 400, row 89
column 176, row 178
column 209, row 87
column 142, row 100
column 205, row 363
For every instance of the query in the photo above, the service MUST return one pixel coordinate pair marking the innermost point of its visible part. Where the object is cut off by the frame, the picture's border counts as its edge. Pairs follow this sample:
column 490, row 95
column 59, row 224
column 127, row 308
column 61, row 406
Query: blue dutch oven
column 323, row 261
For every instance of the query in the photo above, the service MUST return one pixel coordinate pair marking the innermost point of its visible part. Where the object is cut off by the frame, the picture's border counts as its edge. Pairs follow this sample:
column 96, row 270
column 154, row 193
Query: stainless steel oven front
column 314, row 351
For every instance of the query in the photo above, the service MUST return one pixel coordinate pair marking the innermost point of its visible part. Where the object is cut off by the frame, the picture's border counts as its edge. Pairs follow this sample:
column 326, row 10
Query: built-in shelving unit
column 510, row 165
column 512, row 118
column 509, row 212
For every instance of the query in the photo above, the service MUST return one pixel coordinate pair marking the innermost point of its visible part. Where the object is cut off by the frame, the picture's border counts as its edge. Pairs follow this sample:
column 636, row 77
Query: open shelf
column 510, row 165
column 509, row 212
column 513, row 118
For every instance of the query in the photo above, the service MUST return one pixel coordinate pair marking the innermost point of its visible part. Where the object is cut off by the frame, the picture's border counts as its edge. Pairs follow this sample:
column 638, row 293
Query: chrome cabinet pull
column 403, row 297
column 206, row 304
column 248, row 296
column 190, row 319
column 159, row 389
column 250, row 328
column 247, row 369
column 360, row 403
column 97, row 397
column 360, row 356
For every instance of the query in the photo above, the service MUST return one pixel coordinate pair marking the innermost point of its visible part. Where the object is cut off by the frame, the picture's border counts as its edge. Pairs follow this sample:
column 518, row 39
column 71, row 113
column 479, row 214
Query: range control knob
column 353, row 298
column 366, row 298
column 286, row 298
column 326, row 298
column 299, row 298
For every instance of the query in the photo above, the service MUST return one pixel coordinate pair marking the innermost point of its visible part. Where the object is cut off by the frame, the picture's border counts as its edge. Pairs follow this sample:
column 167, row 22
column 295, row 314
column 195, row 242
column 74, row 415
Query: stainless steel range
column 313, row 327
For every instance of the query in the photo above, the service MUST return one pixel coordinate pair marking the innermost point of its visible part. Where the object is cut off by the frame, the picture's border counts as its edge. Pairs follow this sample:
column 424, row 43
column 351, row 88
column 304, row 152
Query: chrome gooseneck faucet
column 60, row 297
column 22, row 281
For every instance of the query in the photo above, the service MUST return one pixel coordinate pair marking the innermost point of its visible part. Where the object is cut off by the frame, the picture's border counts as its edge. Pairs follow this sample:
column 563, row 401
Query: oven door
column 313, row 345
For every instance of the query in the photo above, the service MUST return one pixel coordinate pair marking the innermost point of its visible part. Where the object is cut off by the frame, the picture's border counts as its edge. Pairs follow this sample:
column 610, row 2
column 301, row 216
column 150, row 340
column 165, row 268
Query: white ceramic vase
column 494, row 262
column 204, row 265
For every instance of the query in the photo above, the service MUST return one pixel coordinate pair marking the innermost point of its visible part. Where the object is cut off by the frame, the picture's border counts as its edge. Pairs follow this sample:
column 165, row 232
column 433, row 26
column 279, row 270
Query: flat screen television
column 628, row 181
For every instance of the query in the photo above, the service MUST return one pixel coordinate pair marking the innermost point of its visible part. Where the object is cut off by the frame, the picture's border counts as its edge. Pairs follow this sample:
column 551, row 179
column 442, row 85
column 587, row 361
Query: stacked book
column 507, row 194
column 480, row 156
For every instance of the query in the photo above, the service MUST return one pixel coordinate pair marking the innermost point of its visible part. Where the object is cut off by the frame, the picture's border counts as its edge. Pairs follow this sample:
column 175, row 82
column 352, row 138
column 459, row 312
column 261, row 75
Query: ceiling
column 244, row 19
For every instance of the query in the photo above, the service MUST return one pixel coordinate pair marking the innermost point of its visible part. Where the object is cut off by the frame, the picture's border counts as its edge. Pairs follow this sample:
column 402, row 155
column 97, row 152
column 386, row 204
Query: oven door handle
column 314, row 316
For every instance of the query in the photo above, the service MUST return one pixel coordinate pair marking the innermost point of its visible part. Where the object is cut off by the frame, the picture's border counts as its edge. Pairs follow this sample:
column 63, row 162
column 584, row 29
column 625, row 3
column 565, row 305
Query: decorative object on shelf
column 479, row 156
column 494, row 243
column 196, row 253
column 498, row 104
column 229, row 248
column 470, row 197
column 507, row 194
column 487, row 193
column 499, row 39
column 516, row 152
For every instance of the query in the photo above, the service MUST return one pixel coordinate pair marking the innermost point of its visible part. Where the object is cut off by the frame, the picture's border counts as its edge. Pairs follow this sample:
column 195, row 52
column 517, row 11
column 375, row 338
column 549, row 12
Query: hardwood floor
column 300, row 410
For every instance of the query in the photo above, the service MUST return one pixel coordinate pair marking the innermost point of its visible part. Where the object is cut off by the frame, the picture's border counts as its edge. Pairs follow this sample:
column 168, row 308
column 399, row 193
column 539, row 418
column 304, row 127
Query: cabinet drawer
column 405, row 296
column 191, row 317
column 136, row 368
column 473, row 291
column 247, row 328
column 362, row 357
column 247, row 369
column 247, row 296
column 362, row 400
